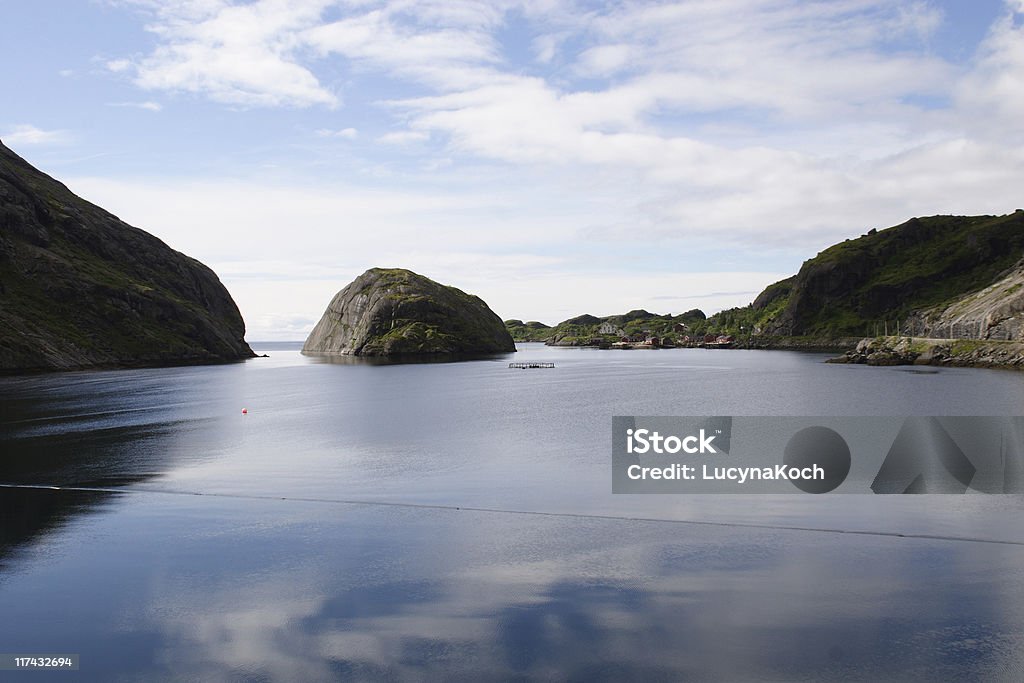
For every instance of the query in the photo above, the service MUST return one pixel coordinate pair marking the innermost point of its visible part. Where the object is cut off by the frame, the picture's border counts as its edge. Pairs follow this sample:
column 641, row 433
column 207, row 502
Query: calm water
column 325, row 534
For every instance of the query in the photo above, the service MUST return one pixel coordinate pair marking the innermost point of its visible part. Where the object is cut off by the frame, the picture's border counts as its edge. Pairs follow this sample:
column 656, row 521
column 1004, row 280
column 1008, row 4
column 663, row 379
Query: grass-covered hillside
column 850, row 288
column 531, row 331
column 587, row 330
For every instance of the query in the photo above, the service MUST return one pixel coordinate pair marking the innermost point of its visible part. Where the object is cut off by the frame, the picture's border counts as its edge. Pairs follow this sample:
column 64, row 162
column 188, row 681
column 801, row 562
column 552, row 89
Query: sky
column 553, row 157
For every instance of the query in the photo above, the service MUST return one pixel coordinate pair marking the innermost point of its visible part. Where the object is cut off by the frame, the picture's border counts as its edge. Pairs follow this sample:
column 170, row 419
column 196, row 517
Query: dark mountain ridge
column 888, row 279
column 79, row 288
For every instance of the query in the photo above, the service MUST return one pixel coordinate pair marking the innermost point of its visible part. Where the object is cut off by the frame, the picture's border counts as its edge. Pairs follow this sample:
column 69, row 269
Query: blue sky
column 553, row 157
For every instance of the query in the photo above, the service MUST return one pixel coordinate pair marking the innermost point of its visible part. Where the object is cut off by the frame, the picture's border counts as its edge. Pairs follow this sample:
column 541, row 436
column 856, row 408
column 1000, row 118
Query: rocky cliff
column 395, row 312
column 995, row 312
column 80, row 288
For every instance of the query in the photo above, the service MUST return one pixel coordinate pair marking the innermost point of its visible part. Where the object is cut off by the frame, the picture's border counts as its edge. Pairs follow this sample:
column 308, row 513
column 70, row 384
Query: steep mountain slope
column 80, row 288
column 892, row 277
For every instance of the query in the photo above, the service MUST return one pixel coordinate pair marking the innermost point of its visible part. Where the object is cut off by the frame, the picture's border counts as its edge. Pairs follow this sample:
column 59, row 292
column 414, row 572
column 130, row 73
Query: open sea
column 455, row 521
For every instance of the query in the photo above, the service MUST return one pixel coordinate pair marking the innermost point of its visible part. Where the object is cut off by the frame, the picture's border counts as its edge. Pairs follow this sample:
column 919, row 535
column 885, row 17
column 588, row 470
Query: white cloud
column 263, row 53
column 546, row 46
column 232, row 220
column 748, row 123
column 403, row 137
column 148, row 105
column 407, row 40
column 237, row 54
column 992, row 95
column 604, row 60
column 27, row 134
column 346, row 133
column 785, row 62
column 118, row 65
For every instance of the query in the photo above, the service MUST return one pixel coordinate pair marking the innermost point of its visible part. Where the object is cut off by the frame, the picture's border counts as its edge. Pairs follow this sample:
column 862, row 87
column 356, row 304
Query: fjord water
column 455, row 521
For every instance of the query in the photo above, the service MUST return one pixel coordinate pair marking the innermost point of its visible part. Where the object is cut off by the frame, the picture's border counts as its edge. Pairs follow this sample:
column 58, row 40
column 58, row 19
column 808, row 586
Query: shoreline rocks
column 975, row 353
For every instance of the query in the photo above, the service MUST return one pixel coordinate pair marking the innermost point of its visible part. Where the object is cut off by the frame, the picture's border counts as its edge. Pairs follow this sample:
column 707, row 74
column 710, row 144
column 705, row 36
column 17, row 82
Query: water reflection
column 286, row 591
column 149, row 585
column 31, row 515
column 422, row 358
column 116, row 456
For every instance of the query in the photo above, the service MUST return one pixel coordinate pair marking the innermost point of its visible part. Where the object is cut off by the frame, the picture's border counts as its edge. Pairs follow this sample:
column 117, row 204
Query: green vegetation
column 531, row 331
column 589, row 330
column 883, row 276
column 966, row 346
column 410, row 338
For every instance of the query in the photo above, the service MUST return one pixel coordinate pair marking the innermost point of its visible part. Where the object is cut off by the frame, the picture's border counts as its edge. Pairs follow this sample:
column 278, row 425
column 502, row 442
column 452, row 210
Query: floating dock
column 524, row 366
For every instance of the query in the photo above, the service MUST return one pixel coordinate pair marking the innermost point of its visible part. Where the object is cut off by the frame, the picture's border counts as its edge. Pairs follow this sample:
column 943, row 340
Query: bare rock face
column 996, row 312
column 395, row 312
column 80, row 288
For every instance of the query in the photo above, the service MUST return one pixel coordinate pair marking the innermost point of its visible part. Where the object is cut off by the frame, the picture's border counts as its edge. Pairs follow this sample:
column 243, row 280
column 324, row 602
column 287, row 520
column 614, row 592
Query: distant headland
column 923, row 289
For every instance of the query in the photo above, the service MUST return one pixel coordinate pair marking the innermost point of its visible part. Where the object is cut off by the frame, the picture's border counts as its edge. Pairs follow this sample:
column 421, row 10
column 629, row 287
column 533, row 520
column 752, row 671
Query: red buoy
column 245, row 411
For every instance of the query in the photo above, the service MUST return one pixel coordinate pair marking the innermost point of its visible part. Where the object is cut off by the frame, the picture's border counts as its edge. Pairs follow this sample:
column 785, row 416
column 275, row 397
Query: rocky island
column 79, row 288
column 392, row 312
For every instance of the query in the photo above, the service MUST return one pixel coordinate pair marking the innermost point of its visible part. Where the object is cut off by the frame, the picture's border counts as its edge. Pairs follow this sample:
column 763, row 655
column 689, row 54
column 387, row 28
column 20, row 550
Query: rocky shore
column 974, row 353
